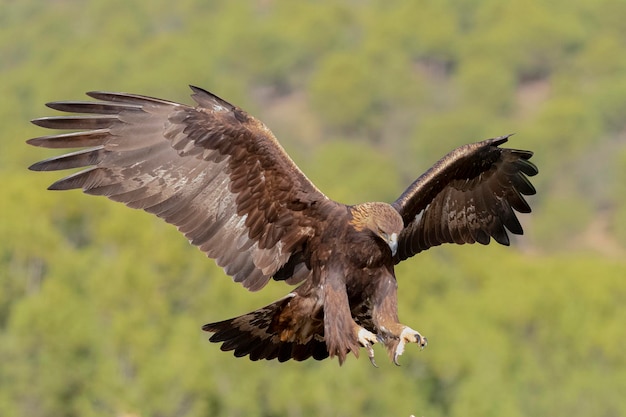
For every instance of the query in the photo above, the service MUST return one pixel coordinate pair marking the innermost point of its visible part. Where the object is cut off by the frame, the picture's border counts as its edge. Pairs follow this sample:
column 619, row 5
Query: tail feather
column 272, row 332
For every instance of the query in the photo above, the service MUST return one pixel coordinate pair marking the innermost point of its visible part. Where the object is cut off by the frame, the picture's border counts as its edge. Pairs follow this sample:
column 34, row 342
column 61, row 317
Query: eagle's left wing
column 468, row 196
column 215, row 172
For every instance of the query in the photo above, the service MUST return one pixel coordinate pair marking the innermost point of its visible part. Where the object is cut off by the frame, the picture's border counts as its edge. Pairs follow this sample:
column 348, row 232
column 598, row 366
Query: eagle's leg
column 407, row 335
column 367, row 339
column 341, row 333
column 393, row 334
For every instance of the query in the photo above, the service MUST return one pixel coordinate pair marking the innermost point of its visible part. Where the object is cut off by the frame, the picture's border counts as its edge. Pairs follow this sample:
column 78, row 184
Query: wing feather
column 469, row 196
column 216, row 173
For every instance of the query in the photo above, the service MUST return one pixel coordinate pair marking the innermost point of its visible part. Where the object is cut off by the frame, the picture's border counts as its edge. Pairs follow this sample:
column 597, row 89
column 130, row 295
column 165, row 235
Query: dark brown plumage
column 220, row 176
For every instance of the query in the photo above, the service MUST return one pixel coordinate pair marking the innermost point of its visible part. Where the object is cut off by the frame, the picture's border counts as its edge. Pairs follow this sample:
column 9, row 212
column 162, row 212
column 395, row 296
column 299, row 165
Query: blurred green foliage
column 101, row 307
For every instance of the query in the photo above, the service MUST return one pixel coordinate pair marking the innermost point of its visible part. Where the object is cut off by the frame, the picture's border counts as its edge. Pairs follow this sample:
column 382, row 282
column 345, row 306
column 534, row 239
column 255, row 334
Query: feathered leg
column 392, row 333
column 341, row 332
column 395, row 344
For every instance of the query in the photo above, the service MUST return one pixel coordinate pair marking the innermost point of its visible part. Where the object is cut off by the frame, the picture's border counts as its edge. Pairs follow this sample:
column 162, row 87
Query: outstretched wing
column 215, row 172
column 468, row 196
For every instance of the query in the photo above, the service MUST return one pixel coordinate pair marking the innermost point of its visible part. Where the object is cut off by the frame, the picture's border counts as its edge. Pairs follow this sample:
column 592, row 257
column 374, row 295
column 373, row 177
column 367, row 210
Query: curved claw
column 367, row 339
column 408, row 336
column 395, row 359
column 370, row 354
column 399, row 351
column 422, row 341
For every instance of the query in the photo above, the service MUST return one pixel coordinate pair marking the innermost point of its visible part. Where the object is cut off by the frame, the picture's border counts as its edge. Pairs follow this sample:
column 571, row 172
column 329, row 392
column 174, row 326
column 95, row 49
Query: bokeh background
column 101, row 306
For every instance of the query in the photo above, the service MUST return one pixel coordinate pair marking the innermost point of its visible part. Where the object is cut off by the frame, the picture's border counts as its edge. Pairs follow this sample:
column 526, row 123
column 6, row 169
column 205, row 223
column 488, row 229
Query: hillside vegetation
column 101, row 306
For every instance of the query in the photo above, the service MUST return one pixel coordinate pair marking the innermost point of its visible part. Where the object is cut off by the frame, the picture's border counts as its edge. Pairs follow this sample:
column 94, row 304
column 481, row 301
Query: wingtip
column 57, row 187
column 54, row 105
column 34, row 141
column 40, row 121
column 40, row 166
column 110, row 96
column 501, row 139
column 199, row 91
column 207, row 99
column 94, row 94
column 34, row 167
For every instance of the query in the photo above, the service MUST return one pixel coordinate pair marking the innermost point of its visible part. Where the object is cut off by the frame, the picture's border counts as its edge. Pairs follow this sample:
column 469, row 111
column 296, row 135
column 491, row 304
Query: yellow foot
column 367, row 339
column 408, row 335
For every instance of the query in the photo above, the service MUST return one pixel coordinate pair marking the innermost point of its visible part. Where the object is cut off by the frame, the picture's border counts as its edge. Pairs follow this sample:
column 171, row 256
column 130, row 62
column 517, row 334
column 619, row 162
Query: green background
column 101, row 306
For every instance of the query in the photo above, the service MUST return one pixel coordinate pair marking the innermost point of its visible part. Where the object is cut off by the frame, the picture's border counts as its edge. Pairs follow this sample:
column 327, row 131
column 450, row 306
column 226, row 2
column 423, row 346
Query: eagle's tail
column 282, row 330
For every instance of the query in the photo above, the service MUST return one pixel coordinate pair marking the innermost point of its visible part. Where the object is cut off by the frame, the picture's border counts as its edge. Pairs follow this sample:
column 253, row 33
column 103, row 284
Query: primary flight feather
column 221, row 177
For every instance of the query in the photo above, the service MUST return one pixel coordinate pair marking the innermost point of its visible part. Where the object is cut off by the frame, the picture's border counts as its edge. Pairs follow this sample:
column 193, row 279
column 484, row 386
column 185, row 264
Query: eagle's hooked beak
column 392, row 241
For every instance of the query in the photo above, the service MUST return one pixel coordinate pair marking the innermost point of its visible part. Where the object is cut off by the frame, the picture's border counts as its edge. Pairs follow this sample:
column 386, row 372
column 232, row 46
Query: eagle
column 221, row 177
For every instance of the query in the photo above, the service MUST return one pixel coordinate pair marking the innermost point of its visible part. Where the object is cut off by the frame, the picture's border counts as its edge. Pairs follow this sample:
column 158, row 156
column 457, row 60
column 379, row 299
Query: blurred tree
column 101, row 307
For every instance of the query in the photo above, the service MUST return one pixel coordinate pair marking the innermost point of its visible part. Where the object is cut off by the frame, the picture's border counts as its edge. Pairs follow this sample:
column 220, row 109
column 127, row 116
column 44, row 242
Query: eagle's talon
column 395, row 359
column 399, row 350
column 421, row 341
column 370, row 354
column 367, row 339
column 370, row 351
column 408, row 335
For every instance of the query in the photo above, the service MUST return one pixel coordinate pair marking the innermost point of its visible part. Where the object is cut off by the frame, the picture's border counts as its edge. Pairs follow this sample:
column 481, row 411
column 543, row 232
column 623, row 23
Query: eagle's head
column 379, row 218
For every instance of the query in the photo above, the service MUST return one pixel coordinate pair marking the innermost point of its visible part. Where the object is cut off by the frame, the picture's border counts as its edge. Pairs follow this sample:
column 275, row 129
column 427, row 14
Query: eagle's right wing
column 468, row 196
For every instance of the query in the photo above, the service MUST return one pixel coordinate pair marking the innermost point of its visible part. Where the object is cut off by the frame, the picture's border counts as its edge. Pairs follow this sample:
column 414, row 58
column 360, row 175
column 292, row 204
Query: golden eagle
column 221, row 177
